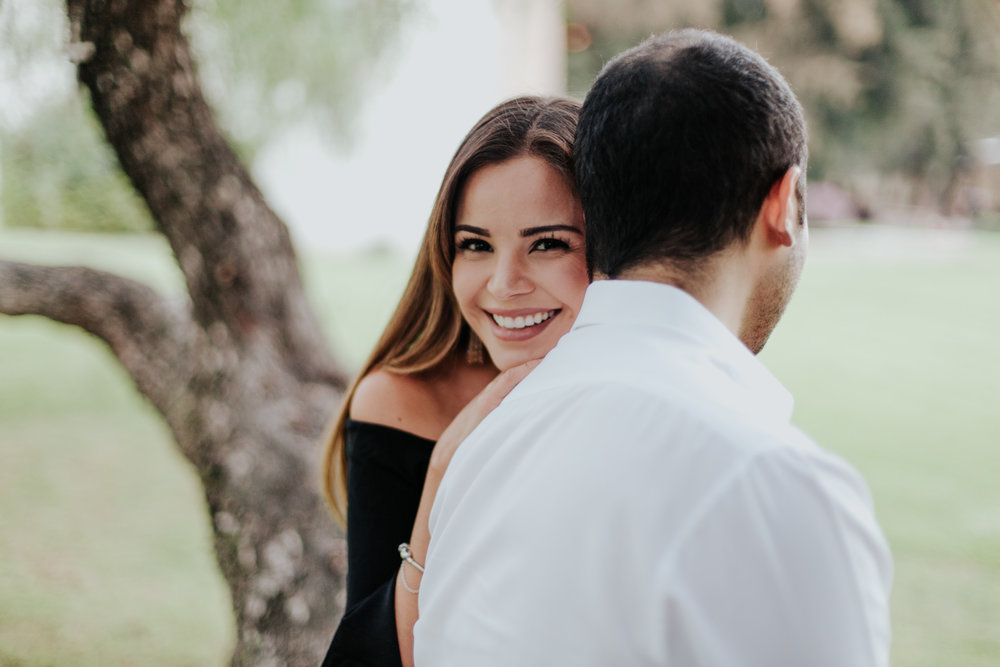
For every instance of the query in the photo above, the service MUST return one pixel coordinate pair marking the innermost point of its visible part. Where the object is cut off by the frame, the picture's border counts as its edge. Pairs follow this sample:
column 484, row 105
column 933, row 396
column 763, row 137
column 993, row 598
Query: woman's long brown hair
column 427, row 327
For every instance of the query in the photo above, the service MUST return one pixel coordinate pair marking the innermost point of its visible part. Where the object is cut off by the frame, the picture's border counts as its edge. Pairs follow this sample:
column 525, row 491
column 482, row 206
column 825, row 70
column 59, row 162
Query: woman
column 502, row 266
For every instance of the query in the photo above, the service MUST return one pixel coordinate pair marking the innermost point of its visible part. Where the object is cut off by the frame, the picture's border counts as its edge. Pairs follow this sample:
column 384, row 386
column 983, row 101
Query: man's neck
column 721, row 283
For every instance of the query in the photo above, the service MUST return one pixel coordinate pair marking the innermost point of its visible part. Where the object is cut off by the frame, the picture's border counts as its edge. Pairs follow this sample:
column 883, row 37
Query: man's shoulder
column 794, row 457
column 660, row 395
column 660, row 424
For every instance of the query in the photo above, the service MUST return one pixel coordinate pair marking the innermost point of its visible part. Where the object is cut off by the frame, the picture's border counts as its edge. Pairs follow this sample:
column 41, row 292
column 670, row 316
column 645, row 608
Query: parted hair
column 679, row 141
column 427, row 327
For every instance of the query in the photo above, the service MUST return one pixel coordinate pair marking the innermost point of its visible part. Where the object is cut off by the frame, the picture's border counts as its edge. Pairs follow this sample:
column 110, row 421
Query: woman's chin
column 512, row 347
column 505, row 358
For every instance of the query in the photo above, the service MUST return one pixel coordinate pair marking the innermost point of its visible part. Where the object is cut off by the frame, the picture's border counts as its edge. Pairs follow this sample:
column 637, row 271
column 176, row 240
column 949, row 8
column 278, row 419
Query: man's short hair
column 679, row 141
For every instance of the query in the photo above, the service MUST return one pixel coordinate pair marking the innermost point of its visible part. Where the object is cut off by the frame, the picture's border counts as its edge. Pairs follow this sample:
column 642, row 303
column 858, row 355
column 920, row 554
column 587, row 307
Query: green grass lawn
column 890, row 347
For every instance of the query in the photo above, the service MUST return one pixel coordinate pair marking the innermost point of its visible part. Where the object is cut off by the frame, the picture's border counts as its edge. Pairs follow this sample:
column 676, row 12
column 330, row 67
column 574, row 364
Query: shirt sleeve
column 386, row 470
column 785, row 566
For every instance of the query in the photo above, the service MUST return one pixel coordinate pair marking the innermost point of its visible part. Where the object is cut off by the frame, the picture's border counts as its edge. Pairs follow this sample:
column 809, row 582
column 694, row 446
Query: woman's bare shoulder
column 406, row 402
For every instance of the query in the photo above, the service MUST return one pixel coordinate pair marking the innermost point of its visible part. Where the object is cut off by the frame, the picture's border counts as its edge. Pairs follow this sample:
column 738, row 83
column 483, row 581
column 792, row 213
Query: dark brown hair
column 679, row 141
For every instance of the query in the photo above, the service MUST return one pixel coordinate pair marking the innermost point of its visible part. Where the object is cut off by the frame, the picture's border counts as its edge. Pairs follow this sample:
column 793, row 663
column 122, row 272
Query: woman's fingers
column 468, row 419
column 502, row 384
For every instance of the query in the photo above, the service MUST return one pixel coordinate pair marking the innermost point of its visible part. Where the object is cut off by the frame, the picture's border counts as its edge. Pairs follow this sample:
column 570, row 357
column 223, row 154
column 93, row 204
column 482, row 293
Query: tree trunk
column 240, row 371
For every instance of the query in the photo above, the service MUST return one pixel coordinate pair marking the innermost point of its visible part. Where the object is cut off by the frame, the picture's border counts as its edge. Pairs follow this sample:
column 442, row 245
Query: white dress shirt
column 642, row 499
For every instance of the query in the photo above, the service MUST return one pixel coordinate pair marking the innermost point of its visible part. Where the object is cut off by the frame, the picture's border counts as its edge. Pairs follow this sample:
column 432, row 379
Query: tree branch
column 146, row 333
column 235, row 253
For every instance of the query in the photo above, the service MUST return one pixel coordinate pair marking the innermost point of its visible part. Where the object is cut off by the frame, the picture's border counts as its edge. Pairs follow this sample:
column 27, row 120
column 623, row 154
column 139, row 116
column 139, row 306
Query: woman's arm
column 463, row 424
column 388, row 441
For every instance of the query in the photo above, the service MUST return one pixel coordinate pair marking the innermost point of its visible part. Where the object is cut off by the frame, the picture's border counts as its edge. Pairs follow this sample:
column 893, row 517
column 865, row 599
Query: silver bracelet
column 407, row 557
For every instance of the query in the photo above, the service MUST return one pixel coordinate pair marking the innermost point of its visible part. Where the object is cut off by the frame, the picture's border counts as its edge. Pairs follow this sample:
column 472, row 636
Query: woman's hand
column 461, row 426
column 474, row 412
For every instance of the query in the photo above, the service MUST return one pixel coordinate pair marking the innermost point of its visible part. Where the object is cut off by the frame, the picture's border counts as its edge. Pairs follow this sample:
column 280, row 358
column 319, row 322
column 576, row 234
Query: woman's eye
column 472, row 244
column 550, row 244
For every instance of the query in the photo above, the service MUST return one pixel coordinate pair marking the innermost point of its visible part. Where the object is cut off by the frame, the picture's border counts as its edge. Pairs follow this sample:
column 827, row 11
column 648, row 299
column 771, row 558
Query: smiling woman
column 519, row 270
column 502, row 266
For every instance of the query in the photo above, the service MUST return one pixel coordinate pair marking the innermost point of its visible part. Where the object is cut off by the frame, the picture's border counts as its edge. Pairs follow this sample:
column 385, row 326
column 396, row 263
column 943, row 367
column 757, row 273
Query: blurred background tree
column 58, row 171
column 239, row 370
column 897, row 92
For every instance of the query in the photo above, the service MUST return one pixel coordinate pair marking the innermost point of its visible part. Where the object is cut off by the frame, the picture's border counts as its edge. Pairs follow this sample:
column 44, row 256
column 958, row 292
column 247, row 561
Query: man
column 641, row 498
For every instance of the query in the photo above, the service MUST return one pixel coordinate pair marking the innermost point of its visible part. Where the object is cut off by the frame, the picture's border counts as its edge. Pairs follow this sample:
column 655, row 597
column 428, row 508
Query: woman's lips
column 520, row 324
column 521, row 321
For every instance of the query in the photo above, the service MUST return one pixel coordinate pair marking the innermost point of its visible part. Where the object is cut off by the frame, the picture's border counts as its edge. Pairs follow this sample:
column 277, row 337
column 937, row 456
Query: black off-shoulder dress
column 386, row 470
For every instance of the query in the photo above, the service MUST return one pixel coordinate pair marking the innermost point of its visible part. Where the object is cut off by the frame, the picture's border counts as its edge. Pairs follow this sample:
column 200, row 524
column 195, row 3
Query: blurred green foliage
column 264, row 66
column 58, row 172
column 267, row 65
column 896, row 91
column 890, row 87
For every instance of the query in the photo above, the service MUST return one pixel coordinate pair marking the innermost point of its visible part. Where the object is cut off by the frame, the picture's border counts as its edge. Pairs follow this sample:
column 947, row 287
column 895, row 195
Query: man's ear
column 780, row 213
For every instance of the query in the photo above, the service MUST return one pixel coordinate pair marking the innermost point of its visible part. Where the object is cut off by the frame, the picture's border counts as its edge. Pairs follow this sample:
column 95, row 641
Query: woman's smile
column 519, row 320
column 519, row 272
column 521, row 327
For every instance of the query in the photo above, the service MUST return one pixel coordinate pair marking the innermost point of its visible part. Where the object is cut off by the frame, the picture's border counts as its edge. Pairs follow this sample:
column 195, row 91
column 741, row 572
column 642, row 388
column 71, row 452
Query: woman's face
column 520, row 269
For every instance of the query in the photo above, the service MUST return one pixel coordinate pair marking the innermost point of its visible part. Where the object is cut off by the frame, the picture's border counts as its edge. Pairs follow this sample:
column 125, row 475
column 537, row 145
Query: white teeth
column 521, row 322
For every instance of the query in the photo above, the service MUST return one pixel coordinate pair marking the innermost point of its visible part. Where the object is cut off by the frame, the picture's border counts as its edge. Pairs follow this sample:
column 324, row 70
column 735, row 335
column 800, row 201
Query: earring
column 474, row 353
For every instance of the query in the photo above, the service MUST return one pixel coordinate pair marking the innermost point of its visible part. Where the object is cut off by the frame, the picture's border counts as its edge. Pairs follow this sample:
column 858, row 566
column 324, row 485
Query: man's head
column 680, row 142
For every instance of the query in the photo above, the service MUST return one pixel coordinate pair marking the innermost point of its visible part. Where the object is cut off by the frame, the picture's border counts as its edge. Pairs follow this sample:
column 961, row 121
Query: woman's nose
column 510, row 278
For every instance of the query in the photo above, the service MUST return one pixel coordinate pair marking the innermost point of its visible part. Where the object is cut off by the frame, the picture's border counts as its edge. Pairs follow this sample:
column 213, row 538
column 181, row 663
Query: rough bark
column 240, row 370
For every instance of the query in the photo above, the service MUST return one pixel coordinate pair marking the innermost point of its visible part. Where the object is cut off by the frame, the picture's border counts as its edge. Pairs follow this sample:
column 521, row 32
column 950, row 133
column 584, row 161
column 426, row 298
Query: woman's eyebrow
column 532, row 231
column 474, row 230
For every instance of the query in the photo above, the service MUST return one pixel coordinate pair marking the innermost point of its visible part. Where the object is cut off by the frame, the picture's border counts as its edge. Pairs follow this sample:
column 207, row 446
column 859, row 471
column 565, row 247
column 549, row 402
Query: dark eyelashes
column 472, row 243
column 550, row 243
column 544, row 244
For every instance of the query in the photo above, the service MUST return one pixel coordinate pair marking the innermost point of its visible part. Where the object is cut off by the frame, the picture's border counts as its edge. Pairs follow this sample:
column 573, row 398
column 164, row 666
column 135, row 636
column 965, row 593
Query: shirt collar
column 650, row 304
